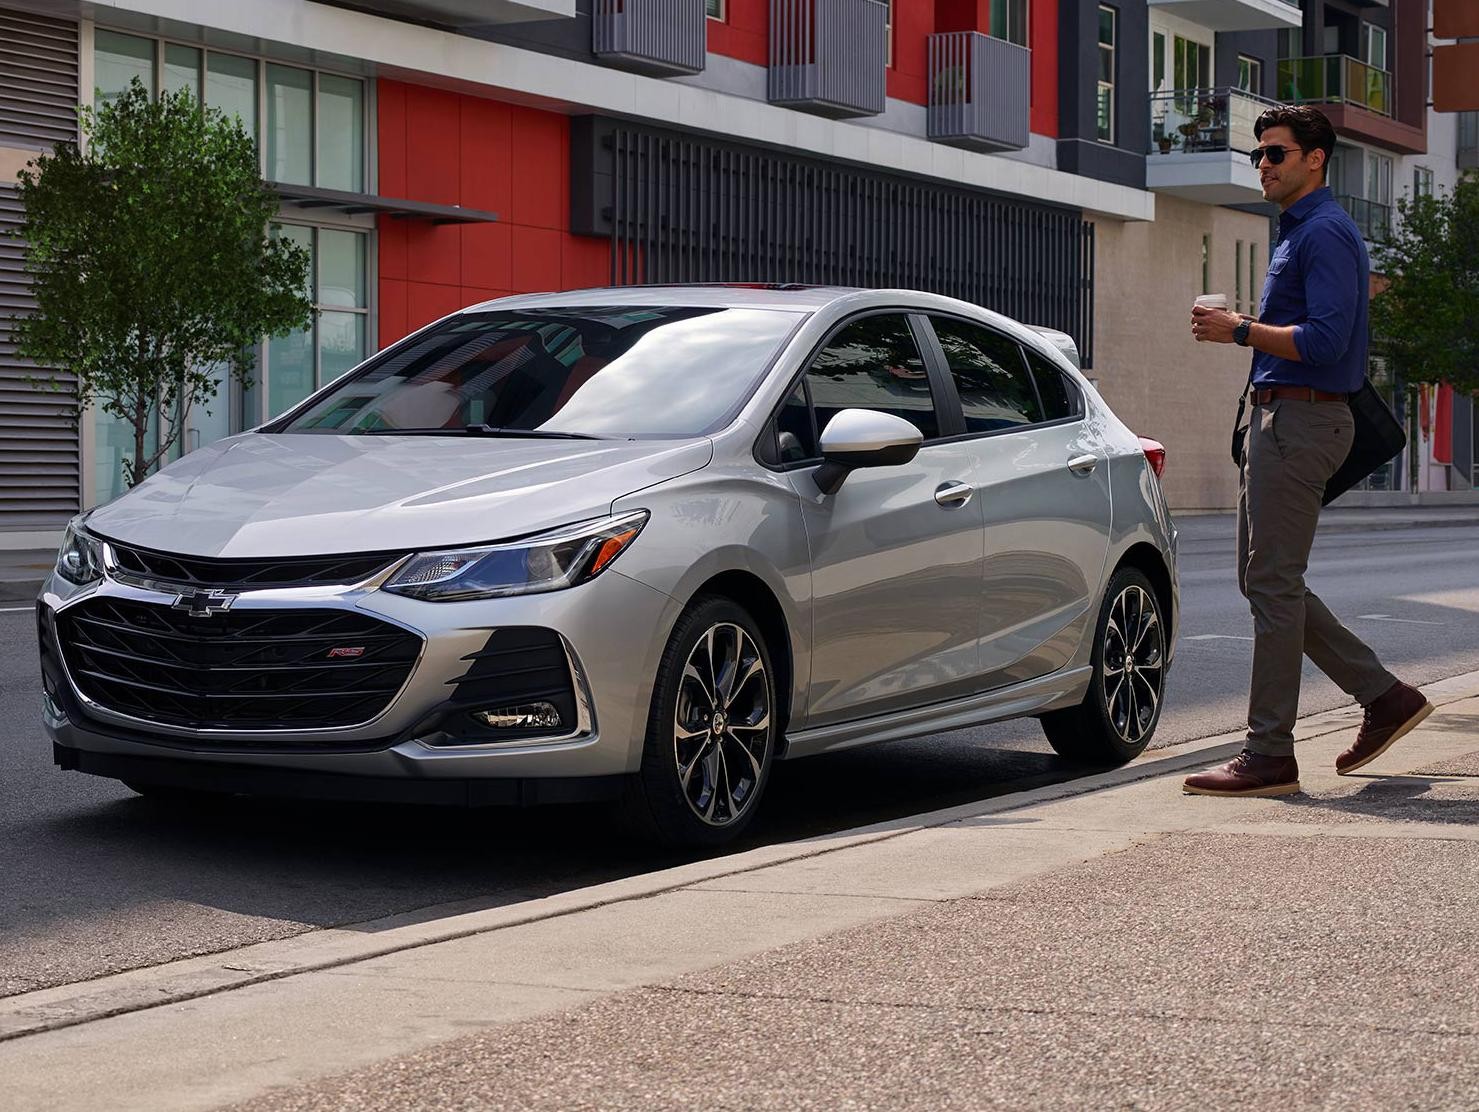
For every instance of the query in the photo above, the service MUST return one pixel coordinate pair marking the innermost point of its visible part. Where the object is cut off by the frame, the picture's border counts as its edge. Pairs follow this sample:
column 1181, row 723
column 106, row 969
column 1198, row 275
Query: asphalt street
column 95, row 880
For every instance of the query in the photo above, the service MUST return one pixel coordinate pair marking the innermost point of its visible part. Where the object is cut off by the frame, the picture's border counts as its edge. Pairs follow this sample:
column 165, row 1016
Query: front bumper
column 612, row 671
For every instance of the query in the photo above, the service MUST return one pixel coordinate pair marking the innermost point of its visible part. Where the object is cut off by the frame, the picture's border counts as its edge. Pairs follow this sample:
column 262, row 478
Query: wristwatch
column 1240, row 333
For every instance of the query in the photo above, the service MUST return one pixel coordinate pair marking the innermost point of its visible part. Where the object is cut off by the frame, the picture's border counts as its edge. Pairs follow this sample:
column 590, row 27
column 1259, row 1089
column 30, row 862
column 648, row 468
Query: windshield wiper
column 481, row 430
column 530, row 434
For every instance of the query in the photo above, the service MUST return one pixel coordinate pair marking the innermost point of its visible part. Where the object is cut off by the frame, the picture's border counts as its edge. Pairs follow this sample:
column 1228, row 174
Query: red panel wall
column 908, row 76
column 744, row 32
column 1042, row 31
column 463, row 150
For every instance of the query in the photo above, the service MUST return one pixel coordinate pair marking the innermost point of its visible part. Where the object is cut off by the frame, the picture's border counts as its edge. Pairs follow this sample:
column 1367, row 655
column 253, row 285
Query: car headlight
column 80, row 559
column 548, row 562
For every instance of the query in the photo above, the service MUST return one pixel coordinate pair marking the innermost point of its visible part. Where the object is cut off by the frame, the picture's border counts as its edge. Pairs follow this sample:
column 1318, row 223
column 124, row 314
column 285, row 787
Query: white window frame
column 1100, row 84
column 1255, row 72
column 723, row 14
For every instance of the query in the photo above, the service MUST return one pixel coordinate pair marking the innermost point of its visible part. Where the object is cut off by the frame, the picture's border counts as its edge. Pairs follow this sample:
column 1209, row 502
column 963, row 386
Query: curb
column 138, row 990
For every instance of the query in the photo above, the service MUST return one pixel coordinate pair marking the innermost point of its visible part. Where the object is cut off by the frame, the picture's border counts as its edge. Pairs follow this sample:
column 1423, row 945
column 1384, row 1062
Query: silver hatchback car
column 636, row 542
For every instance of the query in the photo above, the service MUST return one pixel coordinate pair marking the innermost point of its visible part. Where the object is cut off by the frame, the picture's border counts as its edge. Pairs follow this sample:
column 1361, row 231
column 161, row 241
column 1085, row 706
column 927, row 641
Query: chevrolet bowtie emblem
column 202, row 604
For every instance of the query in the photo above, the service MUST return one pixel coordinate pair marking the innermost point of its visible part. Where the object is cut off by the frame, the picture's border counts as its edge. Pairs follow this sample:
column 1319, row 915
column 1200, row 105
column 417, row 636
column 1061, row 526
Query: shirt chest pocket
column 1280, row 271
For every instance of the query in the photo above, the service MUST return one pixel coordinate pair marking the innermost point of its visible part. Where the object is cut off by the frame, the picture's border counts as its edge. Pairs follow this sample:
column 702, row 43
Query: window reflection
column 619, row 372
column 874, row 364
column 990, row 377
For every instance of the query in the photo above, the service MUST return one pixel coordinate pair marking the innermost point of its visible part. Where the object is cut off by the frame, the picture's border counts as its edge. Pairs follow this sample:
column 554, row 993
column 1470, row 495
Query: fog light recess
column 530, row 716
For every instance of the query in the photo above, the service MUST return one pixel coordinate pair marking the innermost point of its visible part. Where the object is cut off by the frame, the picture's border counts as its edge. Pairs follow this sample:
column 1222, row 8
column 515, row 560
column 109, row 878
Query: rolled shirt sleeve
column 1330, row 261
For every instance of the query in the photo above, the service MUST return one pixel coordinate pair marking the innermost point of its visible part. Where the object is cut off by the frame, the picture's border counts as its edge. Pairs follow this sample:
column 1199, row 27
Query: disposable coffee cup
column 1212, row 301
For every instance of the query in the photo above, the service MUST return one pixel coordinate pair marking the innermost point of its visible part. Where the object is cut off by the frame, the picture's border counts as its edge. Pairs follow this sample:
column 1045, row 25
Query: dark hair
column 1311, row 127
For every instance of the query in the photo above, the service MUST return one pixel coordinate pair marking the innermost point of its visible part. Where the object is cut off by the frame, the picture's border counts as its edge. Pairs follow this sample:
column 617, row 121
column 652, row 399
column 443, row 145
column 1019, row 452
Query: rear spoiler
column 1060, row 340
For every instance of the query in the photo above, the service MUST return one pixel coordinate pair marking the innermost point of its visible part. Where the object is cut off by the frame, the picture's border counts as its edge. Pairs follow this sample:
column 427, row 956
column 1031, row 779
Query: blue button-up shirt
column 1318, row 281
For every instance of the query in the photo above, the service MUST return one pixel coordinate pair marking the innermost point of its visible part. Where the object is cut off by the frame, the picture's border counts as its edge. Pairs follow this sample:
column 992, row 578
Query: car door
column 1043, row 483
column 896, row 552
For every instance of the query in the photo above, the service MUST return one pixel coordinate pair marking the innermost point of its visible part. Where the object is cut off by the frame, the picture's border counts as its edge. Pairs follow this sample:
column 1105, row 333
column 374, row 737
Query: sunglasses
column 1276, row 155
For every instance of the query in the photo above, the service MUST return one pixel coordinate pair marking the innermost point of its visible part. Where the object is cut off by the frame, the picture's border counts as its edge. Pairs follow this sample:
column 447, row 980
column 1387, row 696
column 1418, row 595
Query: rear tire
column 1119, row 712
column 711, row 732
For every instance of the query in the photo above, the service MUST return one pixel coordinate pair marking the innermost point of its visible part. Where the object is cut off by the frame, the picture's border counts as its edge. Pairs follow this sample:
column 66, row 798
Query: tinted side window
column 994, row 387
column 1060, row 396
column 874, row 364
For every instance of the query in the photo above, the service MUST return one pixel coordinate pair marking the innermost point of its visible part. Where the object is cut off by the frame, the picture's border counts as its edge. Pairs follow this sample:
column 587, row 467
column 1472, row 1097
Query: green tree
column 1425, row 319
column 152, row 263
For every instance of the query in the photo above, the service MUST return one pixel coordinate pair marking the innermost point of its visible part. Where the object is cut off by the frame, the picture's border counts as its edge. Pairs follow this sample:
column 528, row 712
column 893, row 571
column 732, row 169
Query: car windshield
column 620, row 372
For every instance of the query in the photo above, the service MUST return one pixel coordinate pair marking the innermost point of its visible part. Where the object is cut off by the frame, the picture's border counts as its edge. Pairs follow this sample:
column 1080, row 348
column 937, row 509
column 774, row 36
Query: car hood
column 272, row 494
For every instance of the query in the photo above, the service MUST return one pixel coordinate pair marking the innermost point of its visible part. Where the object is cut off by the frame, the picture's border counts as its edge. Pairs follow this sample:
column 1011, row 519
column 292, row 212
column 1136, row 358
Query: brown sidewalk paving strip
column 1317, row 951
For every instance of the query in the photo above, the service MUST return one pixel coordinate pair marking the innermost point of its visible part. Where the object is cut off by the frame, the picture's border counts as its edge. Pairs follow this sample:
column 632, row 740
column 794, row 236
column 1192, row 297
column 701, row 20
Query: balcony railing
column 655, row 36
column 1372, row 217
column 828, row 56
column 1192, row 121
column 1335, row 79
column 980, row 91
column 1468, row 140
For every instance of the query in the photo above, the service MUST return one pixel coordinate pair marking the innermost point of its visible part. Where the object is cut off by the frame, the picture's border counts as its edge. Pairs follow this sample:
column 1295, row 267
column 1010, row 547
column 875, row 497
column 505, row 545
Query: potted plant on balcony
column 1167, row 141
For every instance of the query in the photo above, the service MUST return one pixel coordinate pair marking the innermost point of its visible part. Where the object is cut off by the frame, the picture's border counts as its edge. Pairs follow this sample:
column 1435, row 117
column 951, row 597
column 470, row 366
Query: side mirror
column 863, row 438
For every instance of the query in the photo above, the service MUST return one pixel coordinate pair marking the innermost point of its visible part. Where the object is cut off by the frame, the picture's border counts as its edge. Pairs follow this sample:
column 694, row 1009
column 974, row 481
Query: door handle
column 953, row 495
column 1083, row 465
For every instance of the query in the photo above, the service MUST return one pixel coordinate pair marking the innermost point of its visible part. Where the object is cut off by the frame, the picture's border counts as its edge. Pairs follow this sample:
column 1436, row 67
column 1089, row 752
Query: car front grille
column 238, row 574
column 243, row 669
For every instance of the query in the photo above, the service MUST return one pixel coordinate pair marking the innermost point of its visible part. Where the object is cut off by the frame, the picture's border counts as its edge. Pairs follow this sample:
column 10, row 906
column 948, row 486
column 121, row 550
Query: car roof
column 794, row 297
column 727, row 295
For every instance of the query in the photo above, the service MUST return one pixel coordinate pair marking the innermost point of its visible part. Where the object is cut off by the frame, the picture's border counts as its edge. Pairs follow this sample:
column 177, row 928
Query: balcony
column 1372, row 217
column 469, row 13
column 1234, row 15
column 1468, row 140
column 1199, row 144
column 1357, row 97
column 662, row 37
column 1335, row 79
column 828, row 56
column 980, row 91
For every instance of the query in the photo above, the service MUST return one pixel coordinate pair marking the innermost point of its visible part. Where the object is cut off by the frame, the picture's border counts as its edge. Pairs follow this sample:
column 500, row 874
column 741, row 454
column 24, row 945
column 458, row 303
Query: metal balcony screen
column 979, row 90
column 692, row 210
column 664, row 34
column 828, row 54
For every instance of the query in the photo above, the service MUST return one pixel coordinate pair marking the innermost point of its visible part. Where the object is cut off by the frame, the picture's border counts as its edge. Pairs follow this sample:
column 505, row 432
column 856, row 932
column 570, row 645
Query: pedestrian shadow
column 1394, row 799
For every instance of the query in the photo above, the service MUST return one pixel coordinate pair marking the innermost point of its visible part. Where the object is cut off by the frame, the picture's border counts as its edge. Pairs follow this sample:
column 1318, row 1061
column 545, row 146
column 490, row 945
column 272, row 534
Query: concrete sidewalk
column 1104, row 943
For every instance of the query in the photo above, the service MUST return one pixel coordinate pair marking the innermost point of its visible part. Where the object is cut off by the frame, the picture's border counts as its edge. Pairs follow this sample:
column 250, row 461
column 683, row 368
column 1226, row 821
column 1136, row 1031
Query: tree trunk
column 141, row 427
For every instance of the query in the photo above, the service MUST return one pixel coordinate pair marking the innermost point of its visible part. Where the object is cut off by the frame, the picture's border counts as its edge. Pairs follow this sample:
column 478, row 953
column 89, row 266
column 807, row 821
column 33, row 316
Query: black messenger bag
column 1378, row 437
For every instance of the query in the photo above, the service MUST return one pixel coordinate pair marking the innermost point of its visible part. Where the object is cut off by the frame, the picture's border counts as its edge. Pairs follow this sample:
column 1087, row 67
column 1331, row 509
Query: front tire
column 711, row 732
column 1119, row 713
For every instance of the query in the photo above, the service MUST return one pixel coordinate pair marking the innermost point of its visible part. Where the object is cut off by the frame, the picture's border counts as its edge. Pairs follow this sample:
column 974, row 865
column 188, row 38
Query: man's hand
column 1214, row 326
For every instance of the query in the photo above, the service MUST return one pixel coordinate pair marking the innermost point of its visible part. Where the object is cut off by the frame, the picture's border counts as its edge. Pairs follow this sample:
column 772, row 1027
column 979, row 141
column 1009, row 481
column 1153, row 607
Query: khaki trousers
column 1292, row 448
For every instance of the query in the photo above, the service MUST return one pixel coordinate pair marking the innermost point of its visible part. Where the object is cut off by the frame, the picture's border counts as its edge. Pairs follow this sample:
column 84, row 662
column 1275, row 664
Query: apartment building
column 1072, row 163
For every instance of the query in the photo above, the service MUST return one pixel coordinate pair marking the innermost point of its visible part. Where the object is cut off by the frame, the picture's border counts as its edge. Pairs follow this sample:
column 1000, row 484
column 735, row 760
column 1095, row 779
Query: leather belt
column 1295, row 393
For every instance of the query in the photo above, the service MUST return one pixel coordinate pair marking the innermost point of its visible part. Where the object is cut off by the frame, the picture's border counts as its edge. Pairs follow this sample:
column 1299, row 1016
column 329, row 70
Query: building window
column 1250, row 74
column 888, row 32
column 1158, row 62
column 1422, row 182
column 1374, row 45
column 292, row 367
column 1253, row 294
column 715, row 9
column 310, row 130
column 1238, row 279
column 309, row 126
column 1009, row 21
column 1108, row 34
column 1191, row 63
column 1378, row 178
column 1206, row 264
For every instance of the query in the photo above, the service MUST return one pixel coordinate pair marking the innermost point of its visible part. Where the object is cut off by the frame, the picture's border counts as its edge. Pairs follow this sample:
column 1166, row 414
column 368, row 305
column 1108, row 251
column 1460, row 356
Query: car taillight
column 1155, row 453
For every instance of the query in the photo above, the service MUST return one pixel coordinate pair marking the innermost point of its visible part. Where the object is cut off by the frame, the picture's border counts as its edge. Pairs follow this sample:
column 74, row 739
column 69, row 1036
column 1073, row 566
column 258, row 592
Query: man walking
column 1309, row 343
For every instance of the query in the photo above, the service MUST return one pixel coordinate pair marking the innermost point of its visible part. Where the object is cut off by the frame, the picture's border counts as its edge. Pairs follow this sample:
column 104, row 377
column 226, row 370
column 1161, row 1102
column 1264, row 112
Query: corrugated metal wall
column 684, row 209
column 39, row 463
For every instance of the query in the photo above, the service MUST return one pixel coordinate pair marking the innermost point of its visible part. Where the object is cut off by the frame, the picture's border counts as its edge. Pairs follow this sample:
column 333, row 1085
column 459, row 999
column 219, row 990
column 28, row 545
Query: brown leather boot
column 1247, row 774
column 1393, row 714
